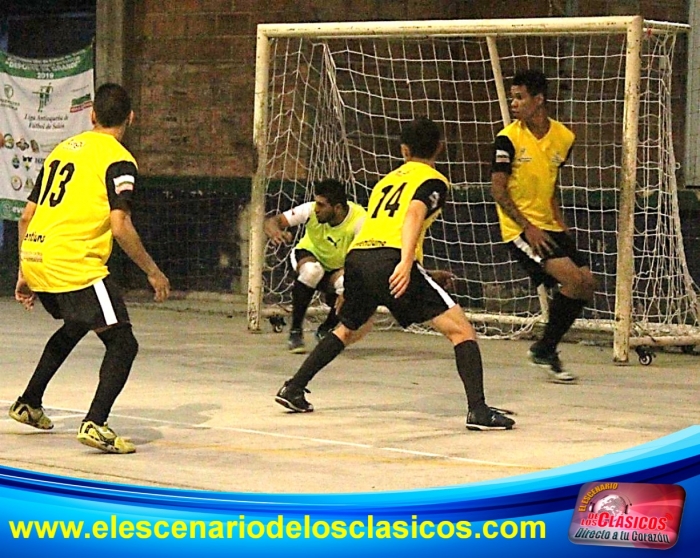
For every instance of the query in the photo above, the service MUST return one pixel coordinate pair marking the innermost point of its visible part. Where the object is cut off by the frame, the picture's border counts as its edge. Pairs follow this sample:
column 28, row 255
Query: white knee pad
column 339, row 285
column 311, row 273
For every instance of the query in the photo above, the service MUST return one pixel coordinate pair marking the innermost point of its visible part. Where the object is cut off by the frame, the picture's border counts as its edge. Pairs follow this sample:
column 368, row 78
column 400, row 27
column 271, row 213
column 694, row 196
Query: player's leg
column 333, row 286
column 355, row 315
column 562, row 267
column 425, row 300
column 105, row 310
column 453, row 324
column 576, row 289
column 309, row 275
column 28, row 407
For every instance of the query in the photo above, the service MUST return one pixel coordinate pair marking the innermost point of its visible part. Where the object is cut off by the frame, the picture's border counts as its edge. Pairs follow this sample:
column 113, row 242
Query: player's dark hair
column 422, row 136
column 534, row 81
column 112, row 105
column 333, row 190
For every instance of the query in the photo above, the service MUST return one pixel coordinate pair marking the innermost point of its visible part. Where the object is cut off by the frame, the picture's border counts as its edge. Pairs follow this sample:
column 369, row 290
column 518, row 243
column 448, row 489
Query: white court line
column 292, row 437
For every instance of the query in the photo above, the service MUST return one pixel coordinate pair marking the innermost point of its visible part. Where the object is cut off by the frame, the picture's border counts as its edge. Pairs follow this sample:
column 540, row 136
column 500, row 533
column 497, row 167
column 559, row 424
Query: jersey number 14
column 391, row 202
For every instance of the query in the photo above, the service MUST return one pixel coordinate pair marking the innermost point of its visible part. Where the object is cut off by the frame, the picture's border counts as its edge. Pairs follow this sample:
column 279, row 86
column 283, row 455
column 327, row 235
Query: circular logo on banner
column 9, row 92
column 16, row 182
column 9, row 141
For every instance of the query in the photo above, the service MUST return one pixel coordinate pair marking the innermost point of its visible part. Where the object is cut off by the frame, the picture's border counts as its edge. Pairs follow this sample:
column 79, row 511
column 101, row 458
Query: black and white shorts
column 367, row 275
column 565, row 247
column 97, row 306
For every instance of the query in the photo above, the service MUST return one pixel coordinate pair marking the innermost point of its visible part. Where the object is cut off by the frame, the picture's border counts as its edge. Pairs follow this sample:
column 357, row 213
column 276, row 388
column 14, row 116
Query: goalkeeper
column 332, row 222
column 528, row 154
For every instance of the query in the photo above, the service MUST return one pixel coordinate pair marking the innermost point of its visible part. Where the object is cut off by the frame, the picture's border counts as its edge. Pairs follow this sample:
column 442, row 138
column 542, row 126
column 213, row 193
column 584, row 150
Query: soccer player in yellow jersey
column 384, row 267
column 331, row 223
column 527, row 157
column 80, row 203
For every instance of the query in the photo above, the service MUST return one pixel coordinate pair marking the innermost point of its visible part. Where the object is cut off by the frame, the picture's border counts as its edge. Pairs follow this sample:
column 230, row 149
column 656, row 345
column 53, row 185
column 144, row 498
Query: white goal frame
column 632, row 26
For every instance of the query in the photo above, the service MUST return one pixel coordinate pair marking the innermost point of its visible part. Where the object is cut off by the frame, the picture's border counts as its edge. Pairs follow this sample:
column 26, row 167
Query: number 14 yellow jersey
column 389, row 201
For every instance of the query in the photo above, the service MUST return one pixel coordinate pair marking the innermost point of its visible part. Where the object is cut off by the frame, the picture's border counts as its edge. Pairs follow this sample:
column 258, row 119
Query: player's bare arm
column 274, row 228
column 23, row 294
column 537, row 238
column 127, row 237
column 412, row 225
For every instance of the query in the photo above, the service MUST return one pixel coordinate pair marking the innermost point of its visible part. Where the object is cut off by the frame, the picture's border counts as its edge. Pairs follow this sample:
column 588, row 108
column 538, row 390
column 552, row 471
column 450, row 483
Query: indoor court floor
column 390, row 411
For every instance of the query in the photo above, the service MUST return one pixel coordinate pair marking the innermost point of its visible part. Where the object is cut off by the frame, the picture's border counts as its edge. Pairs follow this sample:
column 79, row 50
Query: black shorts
column 324, row 284
column 97, row 306
column 534, row 264
column 367, row 275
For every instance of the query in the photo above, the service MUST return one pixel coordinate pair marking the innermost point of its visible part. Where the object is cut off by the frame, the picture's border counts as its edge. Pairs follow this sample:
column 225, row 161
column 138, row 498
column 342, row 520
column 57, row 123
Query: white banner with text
column 42, row 102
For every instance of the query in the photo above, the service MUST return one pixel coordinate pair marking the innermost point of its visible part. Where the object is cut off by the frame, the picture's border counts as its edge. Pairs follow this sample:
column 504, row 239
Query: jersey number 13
column 66, row 174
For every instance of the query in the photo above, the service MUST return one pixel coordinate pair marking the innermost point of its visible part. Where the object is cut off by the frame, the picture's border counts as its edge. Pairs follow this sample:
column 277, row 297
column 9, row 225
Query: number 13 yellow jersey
column 69, row 238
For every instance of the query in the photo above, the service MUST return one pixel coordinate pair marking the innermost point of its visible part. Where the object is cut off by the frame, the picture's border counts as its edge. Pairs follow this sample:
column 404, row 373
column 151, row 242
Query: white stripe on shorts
column 442, row 292
column 526, row 249
column 105, row 303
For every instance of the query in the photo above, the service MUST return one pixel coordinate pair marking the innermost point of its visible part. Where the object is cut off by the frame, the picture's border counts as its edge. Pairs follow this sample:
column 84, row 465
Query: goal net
column 330, row 102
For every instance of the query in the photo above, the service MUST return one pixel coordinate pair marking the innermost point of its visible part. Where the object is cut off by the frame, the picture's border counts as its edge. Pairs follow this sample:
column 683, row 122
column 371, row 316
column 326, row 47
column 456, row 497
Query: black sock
column 301, row 298
column 562, row 314
column 121, row 351
column 471, row 371
column 329, row 348
column 55, row 353
column 332, row 319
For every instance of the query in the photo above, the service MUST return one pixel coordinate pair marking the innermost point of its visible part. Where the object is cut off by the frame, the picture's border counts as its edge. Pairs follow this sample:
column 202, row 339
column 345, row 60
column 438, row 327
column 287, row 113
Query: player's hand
column 160, row 284
column 23, row 294
column 446, row 279
column 281, row 237
column 541, row 243
column 400, row 278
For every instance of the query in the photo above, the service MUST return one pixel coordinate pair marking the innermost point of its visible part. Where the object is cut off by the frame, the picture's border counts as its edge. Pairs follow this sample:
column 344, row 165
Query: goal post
column 330, row 99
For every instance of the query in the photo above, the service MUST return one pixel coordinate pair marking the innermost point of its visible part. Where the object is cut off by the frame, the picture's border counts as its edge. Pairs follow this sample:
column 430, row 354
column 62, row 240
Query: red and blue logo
column 635, row 515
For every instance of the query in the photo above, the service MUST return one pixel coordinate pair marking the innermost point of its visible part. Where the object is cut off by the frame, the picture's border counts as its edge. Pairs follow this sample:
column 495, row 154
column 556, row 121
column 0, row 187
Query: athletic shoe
column 552, row 362
column 322, row 332
column 296, row 342
column 502, row 411
column 488, row 419
column 292, row 397
column 33, row 416
column 103, row 438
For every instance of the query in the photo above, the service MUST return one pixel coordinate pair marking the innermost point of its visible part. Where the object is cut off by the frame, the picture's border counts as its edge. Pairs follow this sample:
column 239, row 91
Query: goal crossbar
column 465, row 28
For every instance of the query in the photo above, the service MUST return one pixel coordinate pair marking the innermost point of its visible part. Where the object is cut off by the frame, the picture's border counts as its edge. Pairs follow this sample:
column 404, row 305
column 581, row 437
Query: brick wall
column 191, row 66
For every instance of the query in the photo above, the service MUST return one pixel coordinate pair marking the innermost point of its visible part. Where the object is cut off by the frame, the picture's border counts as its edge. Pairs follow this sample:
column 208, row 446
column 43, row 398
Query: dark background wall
column 190, row 66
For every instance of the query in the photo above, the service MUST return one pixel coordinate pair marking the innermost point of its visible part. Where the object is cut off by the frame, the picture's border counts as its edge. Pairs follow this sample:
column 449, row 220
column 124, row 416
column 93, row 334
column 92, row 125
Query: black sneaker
column 488, row 419
column 296, row 342
column 292, row 397
column 322, row 332
column 551, row 361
